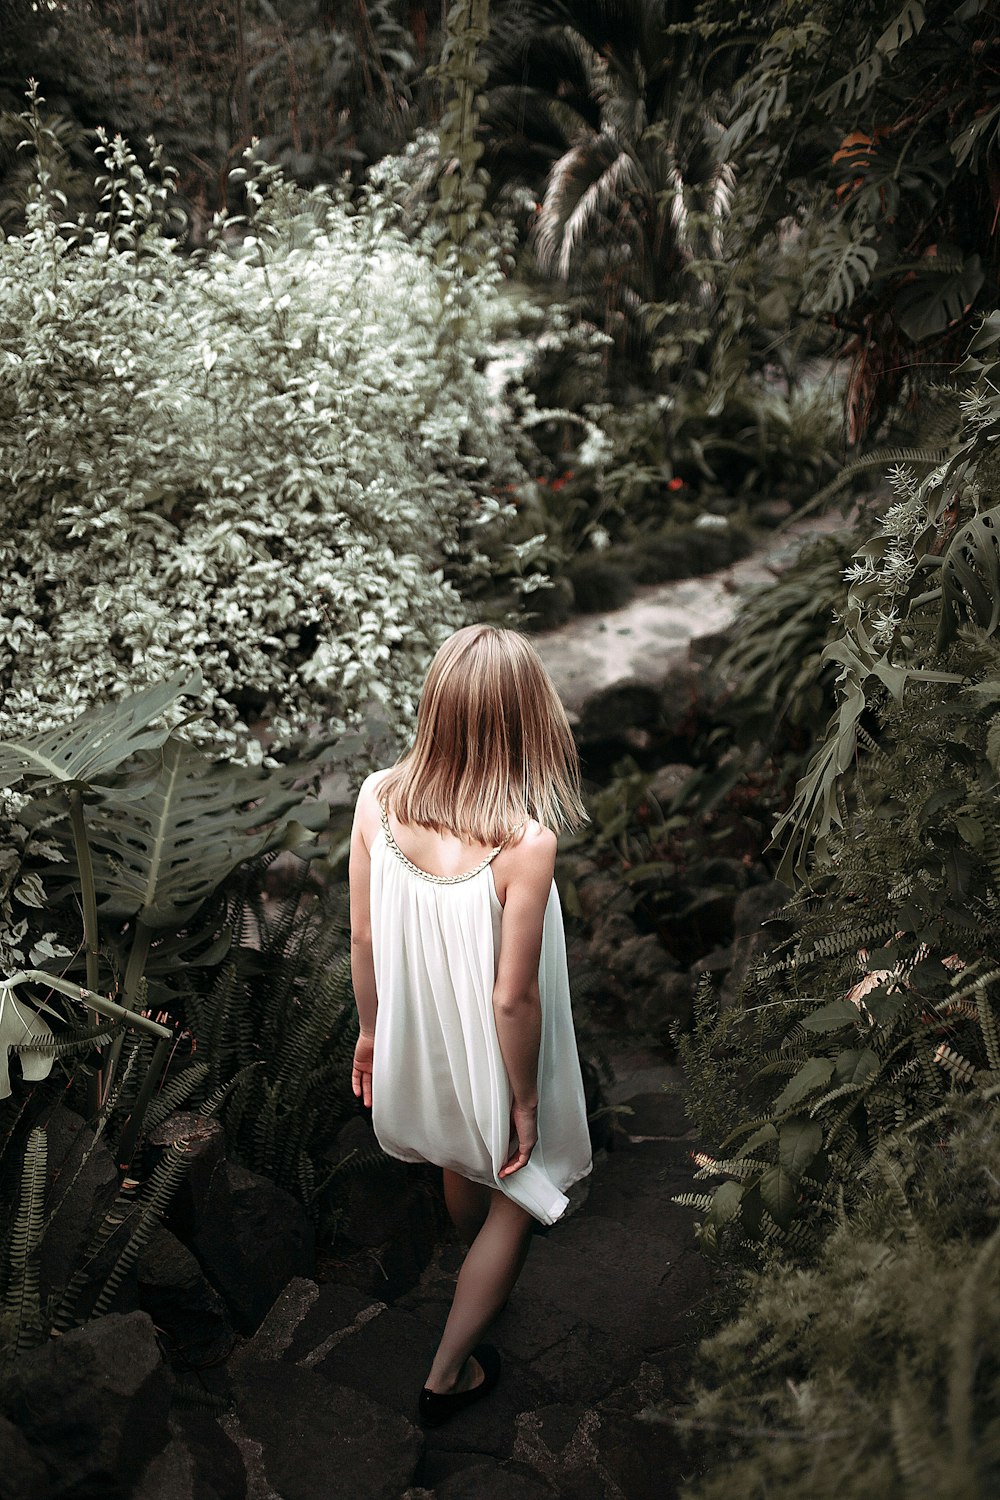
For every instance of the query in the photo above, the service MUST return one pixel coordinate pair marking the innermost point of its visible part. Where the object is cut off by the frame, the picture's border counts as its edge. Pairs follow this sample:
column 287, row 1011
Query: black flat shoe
column 437, row 1406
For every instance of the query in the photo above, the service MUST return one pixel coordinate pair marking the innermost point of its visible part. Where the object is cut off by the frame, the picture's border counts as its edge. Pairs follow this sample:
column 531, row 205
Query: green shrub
column 271, row 459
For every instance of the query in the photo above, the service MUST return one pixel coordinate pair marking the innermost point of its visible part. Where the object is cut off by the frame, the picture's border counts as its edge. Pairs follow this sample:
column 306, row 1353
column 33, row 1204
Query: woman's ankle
column 445, row 1383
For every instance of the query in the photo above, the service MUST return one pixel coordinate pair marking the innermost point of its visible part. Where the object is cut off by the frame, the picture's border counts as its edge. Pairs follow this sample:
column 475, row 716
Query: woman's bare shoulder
column 372, row 782
column 534, row 846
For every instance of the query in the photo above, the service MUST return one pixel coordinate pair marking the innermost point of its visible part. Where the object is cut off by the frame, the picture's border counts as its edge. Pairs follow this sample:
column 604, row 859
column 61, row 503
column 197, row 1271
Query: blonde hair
column 493, row 745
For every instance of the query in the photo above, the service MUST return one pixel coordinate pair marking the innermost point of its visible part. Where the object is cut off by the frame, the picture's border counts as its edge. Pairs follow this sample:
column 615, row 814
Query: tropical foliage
column 871, row 1370
column 266, row 461
column 278, row 1017
column 869, row 134
column 595, row 108
column 325, row 89
column 143, row 829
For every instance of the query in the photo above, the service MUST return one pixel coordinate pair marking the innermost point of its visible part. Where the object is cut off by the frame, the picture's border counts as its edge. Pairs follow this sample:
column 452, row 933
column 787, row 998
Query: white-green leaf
column 93, row 746
column 164, row 842
column 832, row 1016
column 19, row 1024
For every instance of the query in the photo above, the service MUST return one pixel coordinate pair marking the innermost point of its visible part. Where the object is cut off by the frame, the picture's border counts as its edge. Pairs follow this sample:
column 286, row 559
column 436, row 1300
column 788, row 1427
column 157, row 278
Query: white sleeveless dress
column 440, row 1090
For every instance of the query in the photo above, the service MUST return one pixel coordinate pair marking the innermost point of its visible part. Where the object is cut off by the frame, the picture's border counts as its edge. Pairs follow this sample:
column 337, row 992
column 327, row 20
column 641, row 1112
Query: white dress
column 440, row 1090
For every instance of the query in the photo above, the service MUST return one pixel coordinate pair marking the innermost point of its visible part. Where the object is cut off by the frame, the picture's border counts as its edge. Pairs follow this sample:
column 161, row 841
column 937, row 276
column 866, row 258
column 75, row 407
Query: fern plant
column 280, row 1015
column 869, row 1368
column 885, row 1000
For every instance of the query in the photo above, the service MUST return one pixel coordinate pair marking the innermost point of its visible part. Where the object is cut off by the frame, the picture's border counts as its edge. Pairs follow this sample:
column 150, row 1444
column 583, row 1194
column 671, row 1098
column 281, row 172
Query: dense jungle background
column 326, row 328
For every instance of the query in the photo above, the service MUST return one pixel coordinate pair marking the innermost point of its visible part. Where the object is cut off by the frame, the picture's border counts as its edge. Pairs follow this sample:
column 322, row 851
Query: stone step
column 303, row 1437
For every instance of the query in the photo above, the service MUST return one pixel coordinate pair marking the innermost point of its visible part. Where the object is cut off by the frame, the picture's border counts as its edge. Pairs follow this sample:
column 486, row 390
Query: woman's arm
column 362, row 960
column 516, row 999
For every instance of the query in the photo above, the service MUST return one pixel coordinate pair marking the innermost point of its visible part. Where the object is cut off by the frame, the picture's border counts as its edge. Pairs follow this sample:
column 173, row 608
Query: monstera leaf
column 91, row 748
column 970, row 577
column 182, row 822
column 19, row 1026
column 941, row 295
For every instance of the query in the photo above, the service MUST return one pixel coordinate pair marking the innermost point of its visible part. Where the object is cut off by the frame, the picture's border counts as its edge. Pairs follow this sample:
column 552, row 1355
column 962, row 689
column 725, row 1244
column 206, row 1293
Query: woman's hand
column 523, row 1128
column 361, row 1075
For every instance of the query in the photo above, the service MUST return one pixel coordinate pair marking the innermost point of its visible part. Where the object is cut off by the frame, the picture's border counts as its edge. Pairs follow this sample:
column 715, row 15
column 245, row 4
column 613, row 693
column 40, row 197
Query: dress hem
column 425, row 1161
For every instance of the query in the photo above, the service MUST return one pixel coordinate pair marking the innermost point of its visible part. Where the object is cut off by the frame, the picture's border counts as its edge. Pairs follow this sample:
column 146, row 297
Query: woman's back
column 440, row 1088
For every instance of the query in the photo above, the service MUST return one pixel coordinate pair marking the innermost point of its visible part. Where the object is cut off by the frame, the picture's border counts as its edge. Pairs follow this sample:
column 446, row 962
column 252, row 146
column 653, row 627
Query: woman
column 466, row 1051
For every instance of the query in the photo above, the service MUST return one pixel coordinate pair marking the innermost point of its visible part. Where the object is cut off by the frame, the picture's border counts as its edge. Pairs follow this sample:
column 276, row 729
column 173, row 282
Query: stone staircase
column 599, row 1327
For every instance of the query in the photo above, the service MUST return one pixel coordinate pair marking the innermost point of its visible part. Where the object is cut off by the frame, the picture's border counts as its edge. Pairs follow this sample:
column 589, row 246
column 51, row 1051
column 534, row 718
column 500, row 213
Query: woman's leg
column 468, row 1204
column 488, row 1274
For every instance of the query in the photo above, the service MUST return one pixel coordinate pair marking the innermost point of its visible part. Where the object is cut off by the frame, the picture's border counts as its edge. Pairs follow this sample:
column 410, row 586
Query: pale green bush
column 272, row 459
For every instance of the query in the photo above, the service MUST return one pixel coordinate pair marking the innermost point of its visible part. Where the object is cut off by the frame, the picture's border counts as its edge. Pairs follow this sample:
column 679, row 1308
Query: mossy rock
column 601, row 581
column 688, row 552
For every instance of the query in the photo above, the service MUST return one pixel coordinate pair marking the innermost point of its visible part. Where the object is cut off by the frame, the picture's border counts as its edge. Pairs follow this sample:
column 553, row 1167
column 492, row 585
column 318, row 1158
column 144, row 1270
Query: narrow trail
column 600, row 1325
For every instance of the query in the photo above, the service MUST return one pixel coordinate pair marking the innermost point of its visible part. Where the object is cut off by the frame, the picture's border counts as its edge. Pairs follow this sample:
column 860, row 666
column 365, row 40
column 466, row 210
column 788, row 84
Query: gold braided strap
column 424, row 874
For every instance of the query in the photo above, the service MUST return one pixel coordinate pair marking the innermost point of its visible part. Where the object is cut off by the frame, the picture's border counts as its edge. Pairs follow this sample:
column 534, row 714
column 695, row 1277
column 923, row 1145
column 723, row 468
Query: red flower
column 675, row 484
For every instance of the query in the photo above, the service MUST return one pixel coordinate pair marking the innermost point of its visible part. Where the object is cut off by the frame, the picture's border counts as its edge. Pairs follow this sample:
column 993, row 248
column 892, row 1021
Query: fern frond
column 701, row 1201
column 173, row 1094
column 22, row 1302
column 149, row 1209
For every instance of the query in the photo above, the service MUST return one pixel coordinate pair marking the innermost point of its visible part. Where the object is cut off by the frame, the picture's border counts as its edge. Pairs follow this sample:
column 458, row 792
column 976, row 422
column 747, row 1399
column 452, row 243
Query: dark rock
column 251, row 1238
column 389, row 1220
column 202, row 1449
column 643, row 961
column 717, row 961
column 334, row 1315
column 388, row 1357
column 93, row 1404
column 733, row 874
column 661, row 1114
column 680, row 695
column 635, row 1307
column 668, row 781
column 598, row 896
column 606, row 716
column 753, row 907
column 770, row 512
column 547, row 608
column 23, row 1475
column 281, row 1321
column 498, row 1481
column 704, row 922
column 205, row 1147
column 599, row 582
column 568, row 1357
column 643, row 1460
column 608, row 935
column 171, row 1475
column 654, row 1009
column 600, row 1125
column 175, row 1292
column 556, row 1441
column 321, row 1441
column 663, row 559
column 756, row 904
